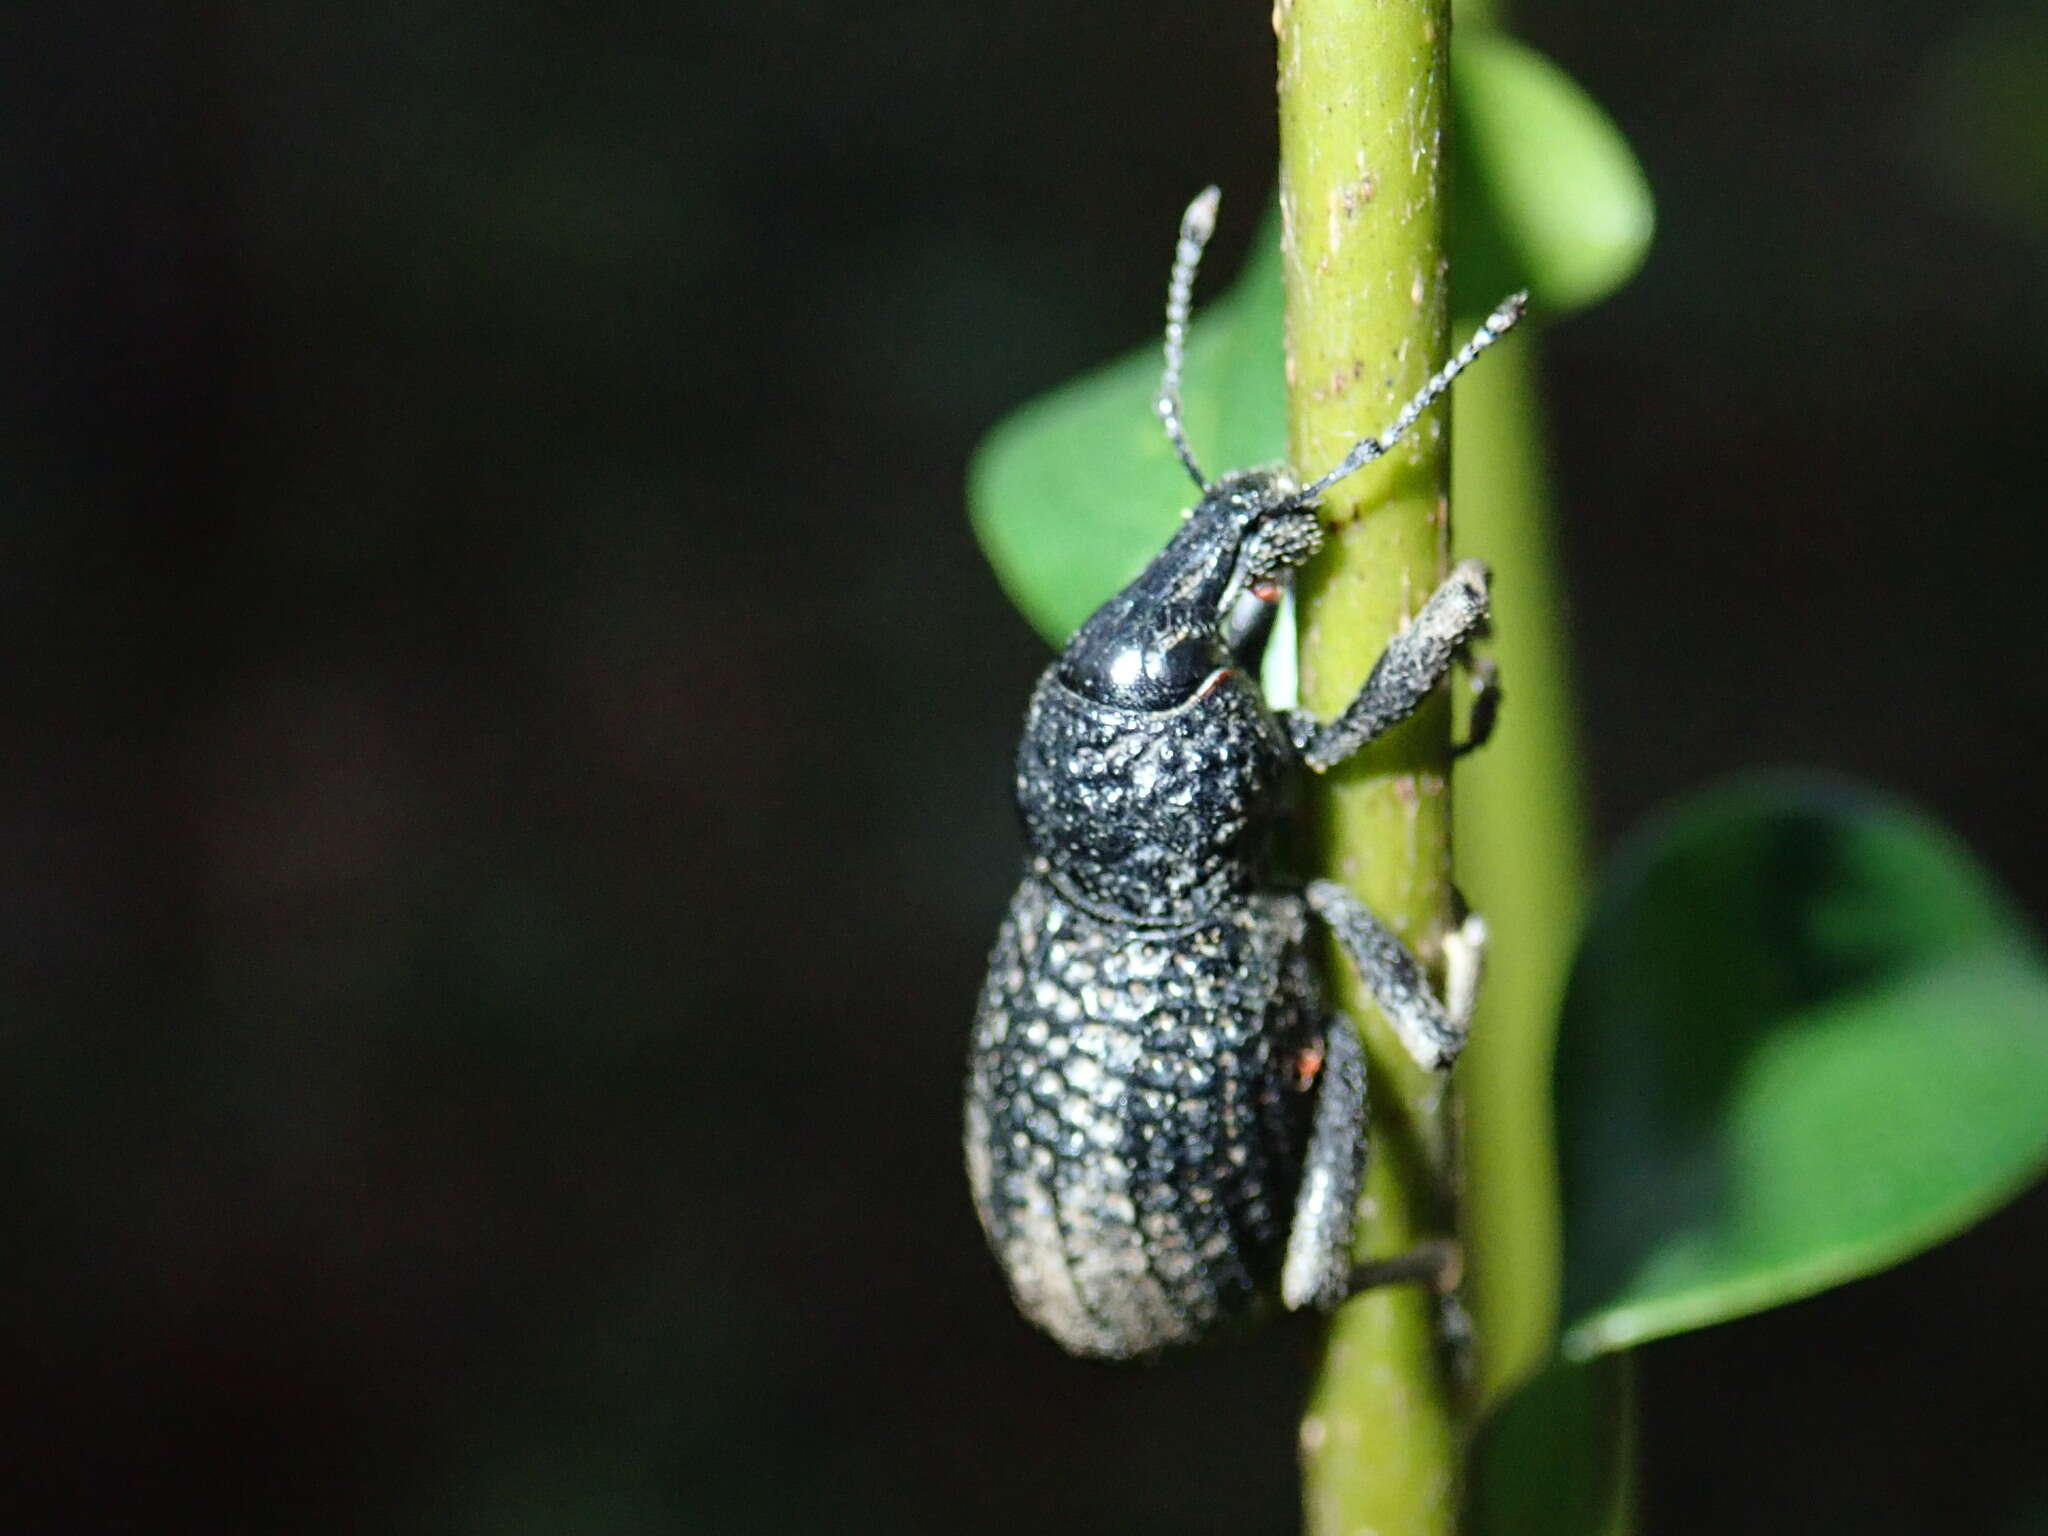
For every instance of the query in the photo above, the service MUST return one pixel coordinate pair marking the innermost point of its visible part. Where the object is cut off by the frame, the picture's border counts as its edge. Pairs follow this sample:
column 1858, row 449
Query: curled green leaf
column 1072, row 494
column 1549, row 196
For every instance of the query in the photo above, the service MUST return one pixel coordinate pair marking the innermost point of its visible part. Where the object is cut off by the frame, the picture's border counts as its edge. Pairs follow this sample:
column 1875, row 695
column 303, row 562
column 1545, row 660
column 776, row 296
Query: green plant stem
column 1362, row 104
column 1561, row 1463
column 1522, row 862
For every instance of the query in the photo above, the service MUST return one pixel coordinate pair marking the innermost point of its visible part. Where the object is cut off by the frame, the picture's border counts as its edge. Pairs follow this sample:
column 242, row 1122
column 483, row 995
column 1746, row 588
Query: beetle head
column 1166, row 636
column 1159, row 641
column 1274, row 531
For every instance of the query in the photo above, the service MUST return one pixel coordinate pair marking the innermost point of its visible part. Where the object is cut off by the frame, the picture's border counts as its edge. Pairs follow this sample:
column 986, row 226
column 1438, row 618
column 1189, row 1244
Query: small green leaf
column 1075, row 492
column 1805, row 1039
column 1548, row 195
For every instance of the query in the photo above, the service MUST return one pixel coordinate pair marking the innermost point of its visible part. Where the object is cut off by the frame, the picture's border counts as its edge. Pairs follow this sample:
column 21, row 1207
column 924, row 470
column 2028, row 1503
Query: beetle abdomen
column 1134, row 1120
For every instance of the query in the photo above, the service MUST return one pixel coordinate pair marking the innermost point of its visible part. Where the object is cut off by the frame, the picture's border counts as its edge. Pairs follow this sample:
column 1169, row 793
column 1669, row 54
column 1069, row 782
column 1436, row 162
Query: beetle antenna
column 1497, row 325
column 1196, row 225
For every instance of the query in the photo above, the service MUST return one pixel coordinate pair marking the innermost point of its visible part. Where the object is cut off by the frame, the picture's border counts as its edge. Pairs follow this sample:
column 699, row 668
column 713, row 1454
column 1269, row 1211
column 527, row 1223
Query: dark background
column 505, row 789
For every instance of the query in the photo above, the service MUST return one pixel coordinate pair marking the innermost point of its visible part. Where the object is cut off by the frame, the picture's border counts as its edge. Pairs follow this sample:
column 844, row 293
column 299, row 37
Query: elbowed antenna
column 1196, row 225
column 1497, row 325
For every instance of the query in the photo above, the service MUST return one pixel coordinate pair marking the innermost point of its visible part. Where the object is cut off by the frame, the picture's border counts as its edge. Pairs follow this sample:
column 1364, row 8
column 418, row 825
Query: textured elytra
column 1137, row 1120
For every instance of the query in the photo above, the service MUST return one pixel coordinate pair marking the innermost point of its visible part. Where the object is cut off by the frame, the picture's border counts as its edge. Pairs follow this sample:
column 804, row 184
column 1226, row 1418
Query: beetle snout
column 1279, row 543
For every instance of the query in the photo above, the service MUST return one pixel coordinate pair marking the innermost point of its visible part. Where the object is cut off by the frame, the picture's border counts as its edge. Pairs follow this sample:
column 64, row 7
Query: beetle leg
column 1436, row 1262
column 1439, row 1264
column 1317, row 1268
column 1486, row 695
column 1431, row 1031
column 1318, row 1271
column 1245, row 628
column 1407, row 672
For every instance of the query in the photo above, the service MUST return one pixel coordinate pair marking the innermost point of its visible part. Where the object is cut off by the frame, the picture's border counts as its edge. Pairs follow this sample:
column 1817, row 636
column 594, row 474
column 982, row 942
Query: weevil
column 1165, row 1122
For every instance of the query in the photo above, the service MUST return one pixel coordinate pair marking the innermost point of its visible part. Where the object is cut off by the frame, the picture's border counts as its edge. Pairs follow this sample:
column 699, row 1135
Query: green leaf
column 1805, row 1039
column 1074, row 492
column 1549, row 196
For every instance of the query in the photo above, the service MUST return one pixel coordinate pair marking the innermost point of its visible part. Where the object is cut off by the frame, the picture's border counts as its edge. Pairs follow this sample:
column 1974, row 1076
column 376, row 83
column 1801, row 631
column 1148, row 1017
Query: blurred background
column 506, row 788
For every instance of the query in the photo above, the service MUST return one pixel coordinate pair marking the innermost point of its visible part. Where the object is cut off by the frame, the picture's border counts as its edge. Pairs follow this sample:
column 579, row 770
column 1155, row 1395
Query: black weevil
column 1165, row 1122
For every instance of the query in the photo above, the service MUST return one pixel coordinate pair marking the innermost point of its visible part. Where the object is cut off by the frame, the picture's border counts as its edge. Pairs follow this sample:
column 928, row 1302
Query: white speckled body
column 1136, row 1117
column 1135, row 1125
column 1163, row 1126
